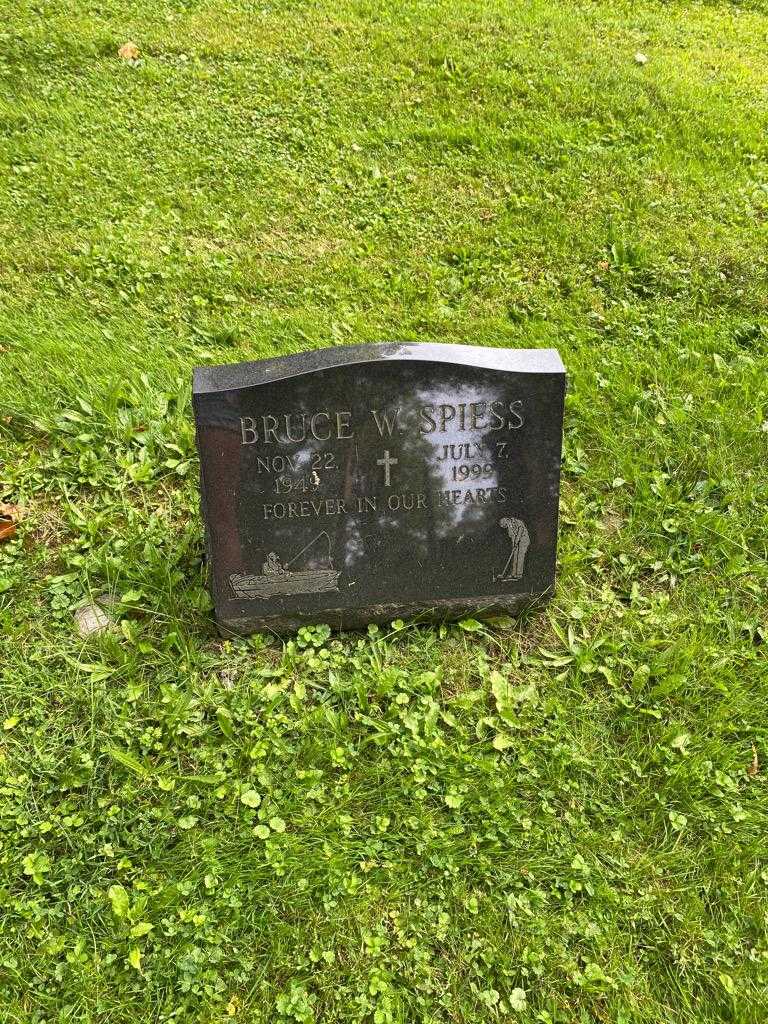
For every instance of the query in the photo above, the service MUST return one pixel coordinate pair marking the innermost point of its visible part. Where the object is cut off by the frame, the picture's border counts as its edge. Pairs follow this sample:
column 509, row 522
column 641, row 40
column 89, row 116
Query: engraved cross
column 386, row 462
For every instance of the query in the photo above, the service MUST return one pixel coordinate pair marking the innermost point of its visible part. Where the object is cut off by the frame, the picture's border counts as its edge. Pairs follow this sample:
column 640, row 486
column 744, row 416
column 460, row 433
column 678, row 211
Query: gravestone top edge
column 233, row 376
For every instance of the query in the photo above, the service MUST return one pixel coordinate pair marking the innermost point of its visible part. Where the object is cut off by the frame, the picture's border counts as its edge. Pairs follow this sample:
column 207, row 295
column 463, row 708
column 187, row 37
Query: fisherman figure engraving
column 273, row 566
column 521, row 540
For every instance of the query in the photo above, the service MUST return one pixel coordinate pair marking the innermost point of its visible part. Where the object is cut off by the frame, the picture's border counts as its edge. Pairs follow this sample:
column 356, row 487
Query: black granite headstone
column 371, row 482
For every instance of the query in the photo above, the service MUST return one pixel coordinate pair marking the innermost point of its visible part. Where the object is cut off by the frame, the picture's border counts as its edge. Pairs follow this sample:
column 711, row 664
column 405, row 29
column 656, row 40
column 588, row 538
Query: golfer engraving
column 521, row 541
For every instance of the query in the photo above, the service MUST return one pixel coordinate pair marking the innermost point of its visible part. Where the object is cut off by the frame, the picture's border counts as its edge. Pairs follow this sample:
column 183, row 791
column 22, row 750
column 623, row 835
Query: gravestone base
column 446, row 610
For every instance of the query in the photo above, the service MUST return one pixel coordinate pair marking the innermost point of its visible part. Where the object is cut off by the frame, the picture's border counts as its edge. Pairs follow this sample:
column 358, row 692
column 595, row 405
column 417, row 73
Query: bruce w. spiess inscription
column 361, row 484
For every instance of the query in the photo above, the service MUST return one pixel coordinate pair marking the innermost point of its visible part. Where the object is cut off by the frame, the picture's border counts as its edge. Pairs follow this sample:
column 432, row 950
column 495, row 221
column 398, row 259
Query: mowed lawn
column 560, row 820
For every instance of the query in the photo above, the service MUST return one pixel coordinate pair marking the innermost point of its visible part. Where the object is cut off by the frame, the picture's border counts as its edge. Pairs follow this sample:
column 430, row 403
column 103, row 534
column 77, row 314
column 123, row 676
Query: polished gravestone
column 371, row 482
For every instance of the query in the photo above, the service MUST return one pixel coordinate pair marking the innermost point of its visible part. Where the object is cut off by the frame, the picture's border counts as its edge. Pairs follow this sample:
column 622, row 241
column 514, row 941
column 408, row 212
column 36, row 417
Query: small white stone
column 640, row 58
column 91, row 619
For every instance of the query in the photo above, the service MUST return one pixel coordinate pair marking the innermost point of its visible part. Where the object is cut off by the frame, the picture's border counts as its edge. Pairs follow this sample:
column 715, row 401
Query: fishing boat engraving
column 278, row 579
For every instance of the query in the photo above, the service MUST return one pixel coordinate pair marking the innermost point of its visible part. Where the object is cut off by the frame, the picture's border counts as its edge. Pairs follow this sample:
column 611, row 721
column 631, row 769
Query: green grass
column 281, row 176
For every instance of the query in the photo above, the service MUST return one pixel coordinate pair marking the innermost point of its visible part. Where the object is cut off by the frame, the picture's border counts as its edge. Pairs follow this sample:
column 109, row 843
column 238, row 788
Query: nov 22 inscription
column 365, row 483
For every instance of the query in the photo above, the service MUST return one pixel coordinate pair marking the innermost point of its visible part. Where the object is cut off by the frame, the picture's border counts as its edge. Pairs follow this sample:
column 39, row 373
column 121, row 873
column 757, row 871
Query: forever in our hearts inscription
column 366, row 483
